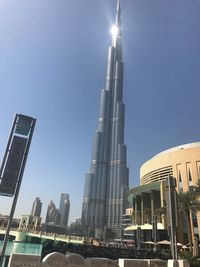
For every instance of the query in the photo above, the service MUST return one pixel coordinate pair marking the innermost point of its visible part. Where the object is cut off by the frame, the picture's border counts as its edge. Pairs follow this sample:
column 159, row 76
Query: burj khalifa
column 106, row 183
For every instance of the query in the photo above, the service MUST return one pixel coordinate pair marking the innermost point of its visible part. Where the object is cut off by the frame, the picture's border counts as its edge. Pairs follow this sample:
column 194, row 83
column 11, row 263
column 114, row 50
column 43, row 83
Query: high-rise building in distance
column 107, row 181
column 64, row 208
column 53, row 214
column 36, row 207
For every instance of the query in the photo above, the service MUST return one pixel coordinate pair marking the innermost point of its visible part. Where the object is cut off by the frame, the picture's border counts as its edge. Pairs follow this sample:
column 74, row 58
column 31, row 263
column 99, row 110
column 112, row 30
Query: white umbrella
column 149, row 242
column 164, row 242
column 186, row 246
column 179, row 244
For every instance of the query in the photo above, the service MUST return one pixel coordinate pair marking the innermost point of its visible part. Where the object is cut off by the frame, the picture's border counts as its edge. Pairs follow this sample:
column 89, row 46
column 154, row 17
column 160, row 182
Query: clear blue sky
column 52, row 67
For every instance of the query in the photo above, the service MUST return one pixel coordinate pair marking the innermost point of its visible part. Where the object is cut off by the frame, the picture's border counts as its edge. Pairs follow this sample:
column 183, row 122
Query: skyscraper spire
column 118, row 15
column 116, row 28
column 107, row 181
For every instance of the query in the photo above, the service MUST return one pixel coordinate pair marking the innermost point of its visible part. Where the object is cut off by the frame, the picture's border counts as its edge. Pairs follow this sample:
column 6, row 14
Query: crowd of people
column 110, row 252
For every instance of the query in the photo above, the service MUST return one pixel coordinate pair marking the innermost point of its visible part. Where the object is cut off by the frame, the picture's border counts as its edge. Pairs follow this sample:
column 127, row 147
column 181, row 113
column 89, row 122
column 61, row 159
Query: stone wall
column 57, row 259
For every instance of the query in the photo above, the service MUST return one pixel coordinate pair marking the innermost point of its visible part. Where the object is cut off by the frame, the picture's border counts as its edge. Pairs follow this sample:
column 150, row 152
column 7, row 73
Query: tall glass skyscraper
column 104, row 199
column 64, row 208
column 36, row 207
column 53, row 214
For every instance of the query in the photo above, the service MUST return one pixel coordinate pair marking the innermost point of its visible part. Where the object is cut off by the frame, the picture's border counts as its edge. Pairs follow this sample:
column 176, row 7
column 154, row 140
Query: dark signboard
column 23, row 125
column 12, row 166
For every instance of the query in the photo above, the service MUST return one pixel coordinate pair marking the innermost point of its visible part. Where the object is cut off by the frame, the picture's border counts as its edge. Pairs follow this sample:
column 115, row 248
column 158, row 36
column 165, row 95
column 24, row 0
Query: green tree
column 196, row 189
column 187, row 205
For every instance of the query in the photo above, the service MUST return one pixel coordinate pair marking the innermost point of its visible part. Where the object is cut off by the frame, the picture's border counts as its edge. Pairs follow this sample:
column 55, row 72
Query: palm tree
column 188, row 204
column 161, row 212
column 196, row 189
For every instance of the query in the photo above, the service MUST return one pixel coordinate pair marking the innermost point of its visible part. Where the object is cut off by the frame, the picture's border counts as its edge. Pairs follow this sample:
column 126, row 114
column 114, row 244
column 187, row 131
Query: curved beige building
column 182, row 162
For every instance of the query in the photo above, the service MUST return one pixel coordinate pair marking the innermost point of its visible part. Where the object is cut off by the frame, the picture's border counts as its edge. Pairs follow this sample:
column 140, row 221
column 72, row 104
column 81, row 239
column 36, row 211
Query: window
column 179, row 177
column 189, row 176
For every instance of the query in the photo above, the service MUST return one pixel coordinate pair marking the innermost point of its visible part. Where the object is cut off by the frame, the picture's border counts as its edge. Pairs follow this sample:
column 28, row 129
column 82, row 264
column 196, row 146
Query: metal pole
column 172, row 221
column 16, row 194
column 154, row 231
column 8, row 227
column 175, row 248
column 176, row 222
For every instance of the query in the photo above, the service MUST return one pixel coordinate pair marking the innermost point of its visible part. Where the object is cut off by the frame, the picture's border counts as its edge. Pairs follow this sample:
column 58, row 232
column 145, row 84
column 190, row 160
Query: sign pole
column 17, row 185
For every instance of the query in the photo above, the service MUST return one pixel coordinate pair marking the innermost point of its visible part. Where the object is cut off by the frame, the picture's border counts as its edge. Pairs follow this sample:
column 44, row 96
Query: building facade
column 64, row 208
column 147, row 202
column 104, row 199
column 53, row 214
column 4, row 219
column 182, row 163
column 36, row 207
column 29, row 222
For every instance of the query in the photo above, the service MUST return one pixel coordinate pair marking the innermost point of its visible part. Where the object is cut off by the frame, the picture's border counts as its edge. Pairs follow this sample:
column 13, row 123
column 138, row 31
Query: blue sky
column 52, row 67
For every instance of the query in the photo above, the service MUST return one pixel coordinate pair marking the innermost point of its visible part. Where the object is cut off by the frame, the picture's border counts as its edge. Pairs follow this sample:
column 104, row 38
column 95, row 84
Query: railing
column 45, row 235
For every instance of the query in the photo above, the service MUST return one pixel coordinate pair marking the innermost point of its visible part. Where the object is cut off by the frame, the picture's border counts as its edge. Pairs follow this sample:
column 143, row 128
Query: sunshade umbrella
column 164, row 242
column 149, row 243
